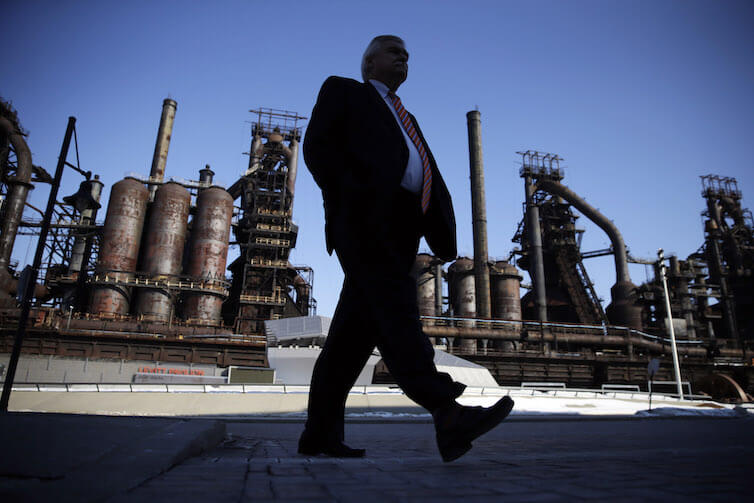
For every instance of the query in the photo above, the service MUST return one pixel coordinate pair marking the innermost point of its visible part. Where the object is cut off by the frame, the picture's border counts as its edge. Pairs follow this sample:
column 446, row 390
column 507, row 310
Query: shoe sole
column 462, row 445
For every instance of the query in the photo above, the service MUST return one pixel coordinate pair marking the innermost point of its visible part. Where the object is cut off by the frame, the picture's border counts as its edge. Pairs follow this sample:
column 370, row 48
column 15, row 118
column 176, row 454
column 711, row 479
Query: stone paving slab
column 651, row 460
column 53, row 457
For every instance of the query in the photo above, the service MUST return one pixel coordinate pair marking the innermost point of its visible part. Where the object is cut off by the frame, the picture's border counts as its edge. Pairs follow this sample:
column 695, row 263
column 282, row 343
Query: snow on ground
column 565, row 403
column 568, row 402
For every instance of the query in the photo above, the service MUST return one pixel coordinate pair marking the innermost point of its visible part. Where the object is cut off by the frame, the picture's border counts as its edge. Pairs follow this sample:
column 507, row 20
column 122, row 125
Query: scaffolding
column 570, row 292
column 265, row 285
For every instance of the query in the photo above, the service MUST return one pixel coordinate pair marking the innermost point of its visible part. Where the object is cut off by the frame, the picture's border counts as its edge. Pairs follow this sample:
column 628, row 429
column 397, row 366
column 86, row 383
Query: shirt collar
column 380, row 86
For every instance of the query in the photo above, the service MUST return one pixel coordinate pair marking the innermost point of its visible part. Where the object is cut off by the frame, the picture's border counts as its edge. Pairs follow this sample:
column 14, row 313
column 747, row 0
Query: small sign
column 653, row 367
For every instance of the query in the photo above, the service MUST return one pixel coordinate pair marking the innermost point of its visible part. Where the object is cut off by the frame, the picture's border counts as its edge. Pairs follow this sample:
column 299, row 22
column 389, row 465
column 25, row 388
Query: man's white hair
column 372, row 49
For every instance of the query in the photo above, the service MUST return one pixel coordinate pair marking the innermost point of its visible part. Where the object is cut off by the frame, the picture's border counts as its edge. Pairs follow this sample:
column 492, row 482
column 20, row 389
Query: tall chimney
column 157, row 173
column 479, row 216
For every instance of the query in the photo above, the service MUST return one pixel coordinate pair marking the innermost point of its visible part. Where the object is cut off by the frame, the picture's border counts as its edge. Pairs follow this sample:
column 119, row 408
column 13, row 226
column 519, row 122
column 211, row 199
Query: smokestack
column 164, row 132
column 479, row 216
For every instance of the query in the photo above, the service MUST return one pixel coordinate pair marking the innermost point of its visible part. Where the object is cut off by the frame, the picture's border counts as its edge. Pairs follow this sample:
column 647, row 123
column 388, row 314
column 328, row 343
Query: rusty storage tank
column 119, row 249
column 506, row 291
column 463, row 297
column 164, row 240
column 425, row 284
column 209, row 253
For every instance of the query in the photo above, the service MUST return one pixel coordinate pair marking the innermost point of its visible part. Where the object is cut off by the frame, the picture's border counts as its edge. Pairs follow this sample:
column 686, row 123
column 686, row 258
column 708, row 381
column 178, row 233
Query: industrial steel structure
column 265, row 285
column 559, row 330
column 151, row 278
column 149, row 283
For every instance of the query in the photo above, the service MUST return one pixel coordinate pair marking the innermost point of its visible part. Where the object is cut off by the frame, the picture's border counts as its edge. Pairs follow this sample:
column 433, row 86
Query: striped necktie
column 414, row 135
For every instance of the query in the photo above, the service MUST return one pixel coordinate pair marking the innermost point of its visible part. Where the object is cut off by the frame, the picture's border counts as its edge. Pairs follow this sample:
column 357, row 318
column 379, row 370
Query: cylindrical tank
column 119, row 249
column 425, row 284
column 505, row 284
column 208, row 251
column 463, row 296
column 506, row 291
column 163, row 249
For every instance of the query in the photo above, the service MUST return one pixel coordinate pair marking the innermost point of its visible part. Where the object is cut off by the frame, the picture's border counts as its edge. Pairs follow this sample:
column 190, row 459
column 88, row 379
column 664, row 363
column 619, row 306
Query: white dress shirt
column 413, row 178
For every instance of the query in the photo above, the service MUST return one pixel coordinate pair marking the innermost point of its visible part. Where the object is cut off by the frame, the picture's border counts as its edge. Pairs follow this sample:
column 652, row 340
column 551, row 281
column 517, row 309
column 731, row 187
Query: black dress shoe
column 457, row 426
column 337, row 450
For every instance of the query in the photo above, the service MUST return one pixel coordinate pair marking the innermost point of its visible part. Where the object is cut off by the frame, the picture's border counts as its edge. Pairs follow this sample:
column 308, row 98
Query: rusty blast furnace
column 265, row 285
column 150, row 282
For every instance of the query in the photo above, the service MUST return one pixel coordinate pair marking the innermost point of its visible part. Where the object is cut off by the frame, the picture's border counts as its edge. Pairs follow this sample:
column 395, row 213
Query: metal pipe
column 616, row 239
column 93, row 190
column 676, row 365
column 438, row 288
column 291, row 154
column 603, row 340
column 479, row 215
column 19, row 185
column 535, row 246
column 164, row 132
column 623, row 309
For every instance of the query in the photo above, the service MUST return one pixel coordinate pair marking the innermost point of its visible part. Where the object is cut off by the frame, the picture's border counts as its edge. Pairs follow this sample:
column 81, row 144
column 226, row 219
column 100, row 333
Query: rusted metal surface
column 423, row 271
column 461, row 285
column 478, row 216
column 463, row 297
column 119, row 251
column 262, row 276
column 164, row 132
column 208, row 252
column 506, row 291
column 164, row 241
column 534, row 238
column 19, row 185
column 91, row 189
column 106, row 346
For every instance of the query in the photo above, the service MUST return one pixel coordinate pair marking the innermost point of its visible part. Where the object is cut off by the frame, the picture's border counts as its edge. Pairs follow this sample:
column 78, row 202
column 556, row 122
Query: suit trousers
column 377, row 307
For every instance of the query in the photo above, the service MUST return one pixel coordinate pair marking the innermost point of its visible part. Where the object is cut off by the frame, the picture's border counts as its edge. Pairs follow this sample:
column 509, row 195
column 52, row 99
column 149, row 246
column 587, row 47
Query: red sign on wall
column 173, row 371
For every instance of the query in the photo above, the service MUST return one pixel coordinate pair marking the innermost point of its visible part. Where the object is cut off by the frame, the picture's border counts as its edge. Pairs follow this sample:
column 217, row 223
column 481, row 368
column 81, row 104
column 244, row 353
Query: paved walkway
column 676, row 459
column 634, row 460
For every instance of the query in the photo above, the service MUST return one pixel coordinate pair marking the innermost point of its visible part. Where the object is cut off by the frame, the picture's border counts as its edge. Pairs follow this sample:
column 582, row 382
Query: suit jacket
column 357, row 154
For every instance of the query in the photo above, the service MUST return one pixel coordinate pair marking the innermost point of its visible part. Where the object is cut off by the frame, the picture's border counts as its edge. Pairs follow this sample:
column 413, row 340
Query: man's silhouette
column 382, row 192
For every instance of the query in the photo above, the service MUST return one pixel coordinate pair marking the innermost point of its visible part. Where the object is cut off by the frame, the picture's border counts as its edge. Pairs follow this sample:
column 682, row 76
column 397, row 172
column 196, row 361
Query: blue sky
column 639, row 97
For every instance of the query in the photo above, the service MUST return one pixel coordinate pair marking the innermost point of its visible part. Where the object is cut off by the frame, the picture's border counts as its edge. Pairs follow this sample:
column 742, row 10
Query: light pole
column 676, row 365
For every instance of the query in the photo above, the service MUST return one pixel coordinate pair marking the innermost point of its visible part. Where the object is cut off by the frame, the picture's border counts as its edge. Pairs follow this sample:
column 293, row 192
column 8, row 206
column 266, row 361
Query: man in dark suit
column 382, row 192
